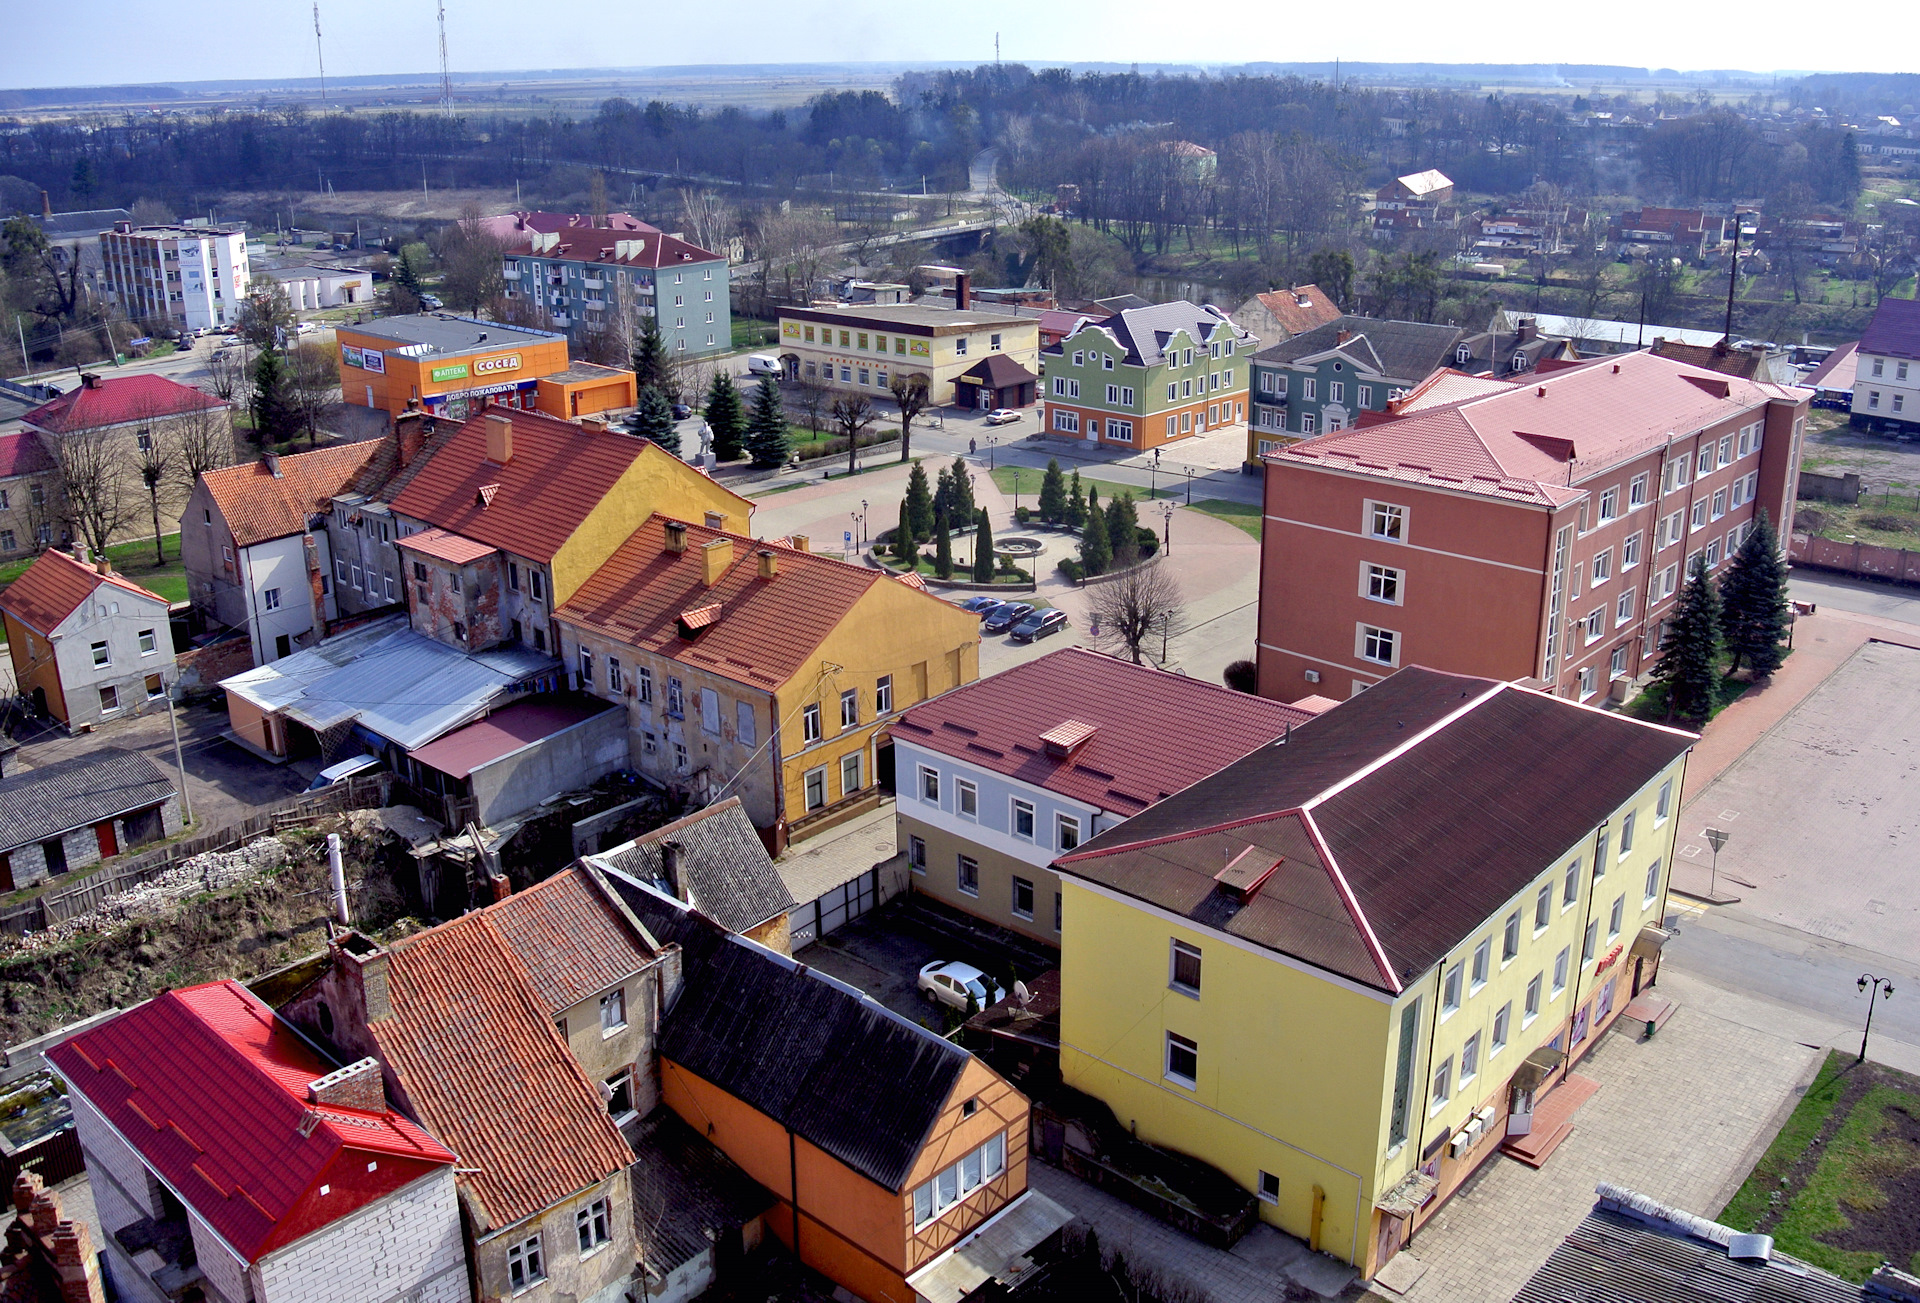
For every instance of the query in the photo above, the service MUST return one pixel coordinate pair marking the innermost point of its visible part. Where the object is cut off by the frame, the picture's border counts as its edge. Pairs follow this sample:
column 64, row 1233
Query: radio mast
column 319, row 53
column 446, row 81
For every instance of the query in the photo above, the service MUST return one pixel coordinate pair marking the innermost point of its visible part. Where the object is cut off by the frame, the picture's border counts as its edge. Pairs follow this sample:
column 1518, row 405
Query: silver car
column 950, row 982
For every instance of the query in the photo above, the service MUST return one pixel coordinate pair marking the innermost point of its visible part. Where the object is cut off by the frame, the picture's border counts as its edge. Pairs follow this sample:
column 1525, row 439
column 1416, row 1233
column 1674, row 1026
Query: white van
column 342, row 771
column 764, row 364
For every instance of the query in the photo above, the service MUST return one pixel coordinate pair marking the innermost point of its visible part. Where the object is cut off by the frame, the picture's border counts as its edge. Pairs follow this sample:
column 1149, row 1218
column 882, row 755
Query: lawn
column 1026, row 481
column 1840, row 1184
column 1244, row 514
column 1651, row 705
column 748, row 333
column 135, row 561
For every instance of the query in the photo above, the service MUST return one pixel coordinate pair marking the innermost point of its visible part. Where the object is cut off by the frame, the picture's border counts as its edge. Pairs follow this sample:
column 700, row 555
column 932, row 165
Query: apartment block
column 1143, row 377
column 181, row 277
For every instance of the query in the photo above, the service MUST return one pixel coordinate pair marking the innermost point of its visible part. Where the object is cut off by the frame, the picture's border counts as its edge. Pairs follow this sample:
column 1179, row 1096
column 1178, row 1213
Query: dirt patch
column 1896, row 1171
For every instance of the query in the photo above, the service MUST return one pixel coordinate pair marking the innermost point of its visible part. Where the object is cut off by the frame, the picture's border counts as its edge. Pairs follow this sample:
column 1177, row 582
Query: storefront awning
column 1647, row 944
column 1537, row 1067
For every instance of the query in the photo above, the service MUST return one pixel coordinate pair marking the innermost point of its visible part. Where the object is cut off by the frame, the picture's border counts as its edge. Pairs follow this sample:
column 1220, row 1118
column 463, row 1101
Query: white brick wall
column 223, row 1271
column 118, row 1176
column 406, row 1242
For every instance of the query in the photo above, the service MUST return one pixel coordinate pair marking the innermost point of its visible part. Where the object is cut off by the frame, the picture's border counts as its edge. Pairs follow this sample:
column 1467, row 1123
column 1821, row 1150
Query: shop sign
column 455, row 372
column 487, row 365
column 374, row 360
column 921, row 347
column 1607, row 962
column 352, row 356
column 789, row 330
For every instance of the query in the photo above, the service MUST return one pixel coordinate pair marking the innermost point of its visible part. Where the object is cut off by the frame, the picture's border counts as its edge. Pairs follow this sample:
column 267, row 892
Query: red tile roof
column 1154, row 733
column 571, row 938
column 473, row 1044
column 1296, row 317
column 1504, row 444
column 116, row 400
column 558, row 474
column 443, row 546
column 767, row 629
column 259, row 505
column 22, row 453
column 464, row 750
column 54, row 585
column 209, row 1086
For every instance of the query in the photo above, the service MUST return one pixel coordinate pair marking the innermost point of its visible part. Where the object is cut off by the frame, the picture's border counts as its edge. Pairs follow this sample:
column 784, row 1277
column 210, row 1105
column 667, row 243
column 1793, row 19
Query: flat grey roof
column 444, row 334
column 915, row 318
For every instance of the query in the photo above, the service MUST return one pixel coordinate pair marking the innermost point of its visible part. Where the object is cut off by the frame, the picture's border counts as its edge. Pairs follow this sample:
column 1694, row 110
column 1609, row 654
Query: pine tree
column 407, row 276
column 1053, row 493
column 650, row 362
column 963, row 504
column 903, row 536
column 654, row 420
column 1095, row 555
column 982, row 549
column 1690, row 652
column 275, row 419
column 767, row 428
column 942, row 546
column 1753, row 597
column 1076, row 503
column 1123, row 530
column 920, row 502
column 943, row 499
column 726, row 417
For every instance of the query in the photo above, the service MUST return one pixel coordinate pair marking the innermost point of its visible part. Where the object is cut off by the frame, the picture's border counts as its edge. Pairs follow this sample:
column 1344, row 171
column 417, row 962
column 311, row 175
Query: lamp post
column 1716, row 838
column 863, row 520
column 1189, row 486
column 1875, row 987
column 993, row 441
column 1166, row 527
column 859, row 524
column 1016, row 493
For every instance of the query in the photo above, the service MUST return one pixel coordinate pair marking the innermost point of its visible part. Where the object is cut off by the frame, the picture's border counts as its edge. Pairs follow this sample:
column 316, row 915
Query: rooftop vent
column 1750, row 1248
column 1067, row 737
column 676, row 536
column 1247, row 872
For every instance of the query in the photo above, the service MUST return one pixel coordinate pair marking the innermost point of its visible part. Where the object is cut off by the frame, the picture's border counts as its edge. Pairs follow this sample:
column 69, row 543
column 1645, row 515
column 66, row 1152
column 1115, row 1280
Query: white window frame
column 1192, row 1048
column 1383, row 584
column 929, row 787
column 1366, row 634
column 1015, row 808
column 1392, row 514
column 966, row 798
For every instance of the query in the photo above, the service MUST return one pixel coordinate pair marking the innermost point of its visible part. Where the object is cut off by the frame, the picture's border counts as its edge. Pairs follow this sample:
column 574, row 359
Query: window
column 586, row 668
column 1482, row 961
column 1602, row 567
column 966, row 798
column 1450, row 991
column 1510, row 941
column 967, row 875
column 1879, row 367
column 1380, row 583
column 1637, row 491
column 810, row 723
column 1543, row 908
column 1183, row 1060
column 617, row 1090
column 883, row 695
column 1719, row 504
column 270, row 599
column 1623, row 607
column 813, row 785
column 37, row 495
column 1403, row 1073
column 960, row 346
column 1726, row 451
column 1336, row 392
column 1560, row 962
column 1705, row 461
column 109, row 700
column 1470, row 1059
column 1310, row 388
column 1022, row 898
column 917, row 854
column 1267, row 1188
column 1669, row 580
column 1653, row 883
column 643, row 685
column 459, row 631
column 1065, row 420
column 525, row 1266
column 1502, row 1021
column 340, row 570
column 1442, row 1085
column 1616, row 917
column 1588, row 682
column 1365, row 393
column 7, row 543
column 613, row 674
column 538, row 582
column 850, row 708
column 1626, row 833
column 1663, row 805
column 929, row 784
column 101, row 654
column 1600, row 852
column 1067, row 831
column 1023, row 819
column 1630, row 552
column 850, row 773
column 1617, row 663
column 1382, row 646
column 1184, row 973
column 613, row 1011
column 950, row 1185
column 1609, row 504
column 1589, row 941
column 1713, row 554
column 1532, row 1008
column 156, row 687
column 1387, row 521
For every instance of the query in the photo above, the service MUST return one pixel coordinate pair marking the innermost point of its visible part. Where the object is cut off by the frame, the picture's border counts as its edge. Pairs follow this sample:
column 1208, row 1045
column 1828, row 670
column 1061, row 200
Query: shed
column 77, row 812
column 995, row 381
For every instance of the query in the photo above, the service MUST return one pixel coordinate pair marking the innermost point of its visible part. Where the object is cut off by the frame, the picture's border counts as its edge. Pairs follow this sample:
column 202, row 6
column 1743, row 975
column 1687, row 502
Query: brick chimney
column 46, row 205
column 410, row 431
column 362, row 964
column 89, row 380
column 670, row 868
column 676, row 536
column 769, row 562
column 800, row 543
column 102, row 565
column 715, row 556
column 358, row 1085
column 80, row 552
column 962, row 291
column 499, row 438
column 1341, row 336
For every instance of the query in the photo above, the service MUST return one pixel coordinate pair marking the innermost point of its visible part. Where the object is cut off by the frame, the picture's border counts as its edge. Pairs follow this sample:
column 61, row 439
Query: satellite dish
column 1021, row 993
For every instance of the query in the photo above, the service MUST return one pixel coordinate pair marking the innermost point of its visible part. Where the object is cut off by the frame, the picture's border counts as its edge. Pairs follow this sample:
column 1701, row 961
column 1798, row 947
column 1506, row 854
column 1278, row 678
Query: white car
column 951, row 982
column 1002, row 416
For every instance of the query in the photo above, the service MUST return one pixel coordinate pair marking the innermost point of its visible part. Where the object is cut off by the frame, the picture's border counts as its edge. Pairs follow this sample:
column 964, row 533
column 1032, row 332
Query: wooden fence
column 361, row 792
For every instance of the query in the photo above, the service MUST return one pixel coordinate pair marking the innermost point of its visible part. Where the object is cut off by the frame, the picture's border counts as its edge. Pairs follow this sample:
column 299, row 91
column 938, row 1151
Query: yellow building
column 1252, row 968
column 760, row 670
column 865, row 347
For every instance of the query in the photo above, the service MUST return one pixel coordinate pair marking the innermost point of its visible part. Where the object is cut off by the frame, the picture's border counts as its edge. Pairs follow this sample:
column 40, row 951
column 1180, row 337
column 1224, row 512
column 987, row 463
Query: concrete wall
column 603, row 1054
column 406, row 1246
column 34, row 665
column 1828, row 488
column 24, row 518
column 600, row 1276
column 213, row 581
column 368, row 570
column 28, row 864
column 233, row 592
column 589, row 750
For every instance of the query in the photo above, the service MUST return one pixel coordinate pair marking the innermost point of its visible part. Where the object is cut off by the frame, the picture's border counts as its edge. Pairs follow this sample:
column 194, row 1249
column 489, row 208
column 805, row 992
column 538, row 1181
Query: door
column 40, row 701
column 1520, row 1113
column 103, row 833
column 1639, row 965
column 55, row 852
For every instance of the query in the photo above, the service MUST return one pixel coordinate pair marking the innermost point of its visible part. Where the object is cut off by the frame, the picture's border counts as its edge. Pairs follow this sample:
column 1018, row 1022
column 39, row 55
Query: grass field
column 135, row 561
column 1244, row 514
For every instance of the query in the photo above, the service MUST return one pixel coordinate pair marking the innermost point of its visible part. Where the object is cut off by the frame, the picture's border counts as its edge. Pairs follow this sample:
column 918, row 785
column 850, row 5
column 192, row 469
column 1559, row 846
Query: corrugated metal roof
column 686, row 1193
column 68, row 794
column 459, row 753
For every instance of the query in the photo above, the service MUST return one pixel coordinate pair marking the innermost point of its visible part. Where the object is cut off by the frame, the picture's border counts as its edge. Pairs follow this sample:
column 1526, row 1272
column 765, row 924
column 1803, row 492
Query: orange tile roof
column 571, row 938
column 558, row 474
column 443, row 546
column 54, row 585
column 766, row 628
column 258, row 505
column 1295, row 317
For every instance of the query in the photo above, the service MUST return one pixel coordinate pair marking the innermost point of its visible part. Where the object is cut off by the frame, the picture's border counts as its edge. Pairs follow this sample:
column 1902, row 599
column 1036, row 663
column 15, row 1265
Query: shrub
column 1242, row 676
column 1149, row 542
column 1893, row 524
column 1072, row 569
column 1023, row 514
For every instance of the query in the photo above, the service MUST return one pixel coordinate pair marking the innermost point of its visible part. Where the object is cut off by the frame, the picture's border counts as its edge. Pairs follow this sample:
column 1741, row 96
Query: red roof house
column 117, row 400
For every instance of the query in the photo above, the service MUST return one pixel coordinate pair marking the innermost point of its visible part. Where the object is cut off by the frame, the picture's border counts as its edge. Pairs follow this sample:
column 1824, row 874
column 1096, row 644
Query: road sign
column 1716, row 837
column 846, row 536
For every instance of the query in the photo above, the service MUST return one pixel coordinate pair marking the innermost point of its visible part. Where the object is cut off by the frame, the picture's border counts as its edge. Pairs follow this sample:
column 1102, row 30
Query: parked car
column 345, row 769
column 1005, row 616
column 979, row 604
column 1039, row 625
column 305, row 328
column 682, row 412
column 1002, row 416
column 951, row 982
column 431, row 301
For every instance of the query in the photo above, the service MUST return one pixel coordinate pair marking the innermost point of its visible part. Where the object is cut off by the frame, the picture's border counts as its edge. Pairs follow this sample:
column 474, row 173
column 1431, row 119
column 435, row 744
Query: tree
column 1136, row 606
column 313, row 384
column 1243, row 676
column 903, row 543
column 961, row 479
column 475, row 263
column 1095, row 555
column 725, row 417
column 650, row 364
column 1076, row 514
column 653, row 419
column 1753, row 598
column 275, row 418
column 226, row 372
column 910, row 392
column 767, row 428
column 920, row 502
column 265, row 316
column 202, row 442
column 1053, row 493
column 1123, row 530
column 1332, row 271
column 405, row 291
column 982, row 548
column 41, row 280
column 94, row 486
column 814, row 398
column 942, row 546
column 155, row 459
column 853, row 413
column 1691, row 649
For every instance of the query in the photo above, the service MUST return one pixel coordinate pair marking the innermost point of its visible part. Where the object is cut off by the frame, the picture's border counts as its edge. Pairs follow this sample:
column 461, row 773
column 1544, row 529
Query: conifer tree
column 767, row 429
column 963, row 504
column 903, row 536
column 920, row 502
column 943, row 500
column 1095, row 555
column 1123, row 530
column 1753, row 601
column 275, row 420
column 1690, row 652
column 942, row 546
column 982, row 549
column 726, row 417
column 654, row 420
column 1053, row 493
column 650, row 361
column 1076, row 515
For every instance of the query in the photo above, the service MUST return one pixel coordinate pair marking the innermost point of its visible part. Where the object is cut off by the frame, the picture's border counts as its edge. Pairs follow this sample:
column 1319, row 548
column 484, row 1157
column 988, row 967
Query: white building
column 228, row 1160
column 1886, row 377
column 88, row 645
column 312, row 288
column 187, row 277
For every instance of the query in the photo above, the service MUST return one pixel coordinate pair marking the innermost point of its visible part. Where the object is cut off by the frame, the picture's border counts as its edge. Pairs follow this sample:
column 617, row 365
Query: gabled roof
column 1838, row 371
column 442, row 545
column 725, row 871
column 36, row 804
column 1421, row 184
column 55, row 585
column 1151, row 733
column 115, row 400
column 765, row 629
column 1398, row 350
column 1299, row 309
column 210, row 1087
column 1400, row 821
column 1745, row 363
column 1143, row 333
column 845, row 1073
column 1893, row 332
column 22, row 453
column 259, row 505
column 622, row 248
column 997, row 371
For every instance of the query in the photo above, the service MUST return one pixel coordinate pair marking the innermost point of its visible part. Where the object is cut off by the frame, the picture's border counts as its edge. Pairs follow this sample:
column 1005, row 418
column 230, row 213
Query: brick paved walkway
column 1681, row 1118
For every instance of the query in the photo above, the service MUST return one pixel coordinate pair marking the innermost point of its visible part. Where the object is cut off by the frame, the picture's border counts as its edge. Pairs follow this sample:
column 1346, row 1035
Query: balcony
column 511, row 273
column 594, row 283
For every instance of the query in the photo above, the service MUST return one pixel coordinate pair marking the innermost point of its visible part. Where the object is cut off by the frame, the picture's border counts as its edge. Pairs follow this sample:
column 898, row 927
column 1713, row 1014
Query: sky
column 95, row 42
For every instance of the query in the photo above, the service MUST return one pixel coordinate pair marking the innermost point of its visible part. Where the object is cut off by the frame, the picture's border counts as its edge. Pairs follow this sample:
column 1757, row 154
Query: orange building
column 453, row 366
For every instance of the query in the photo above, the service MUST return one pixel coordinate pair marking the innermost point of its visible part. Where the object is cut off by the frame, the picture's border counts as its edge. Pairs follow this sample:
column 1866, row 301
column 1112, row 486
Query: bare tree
column 156, row 459
column 853, row 413
column 910, row 391
column 93, row 482
column 1135, row 607
column 710, row 219
column 202, row 442
column 313, row 384
column 475, row 261
column 795, row 247
column 265, row 316
column 812, row 398
column 226, row 371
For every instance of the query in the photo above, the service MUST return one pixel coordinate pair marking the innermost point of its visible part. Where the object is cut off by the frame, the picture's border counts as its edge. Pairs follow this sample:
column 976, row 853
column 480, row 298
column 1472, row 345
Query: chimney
column 593, row 424
column 1529, row 327
column 123, row 228
column 769, row 562
column 271, row 460
column 89, row 379
column 102, row 565
column 46, row 205
column 1342, row 336
column 800, row 543
column 499, row 887
column 358, row 1085
column 363, row 970
column 410, row 432
column 670, row 868
column 499, row 438
column 715, row 556
column 80, row 551
column 962, row 291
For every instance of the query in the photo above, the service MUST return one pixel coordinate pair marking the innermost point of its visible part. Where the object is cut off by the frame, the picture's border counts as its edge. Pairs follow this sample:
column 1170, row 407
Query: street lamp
column 863, row 520
column 1016, row 492
column 1190, row 499
column 993, row 441
column 1875, row 987
column 1166, row 528
column 859, row 524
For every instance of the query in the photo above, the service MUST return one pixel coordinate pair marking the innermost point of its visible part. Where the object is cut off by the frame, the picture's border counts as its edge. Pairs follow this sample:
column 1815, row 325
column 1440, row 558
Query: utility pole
column 319, row 53
column 173, row 719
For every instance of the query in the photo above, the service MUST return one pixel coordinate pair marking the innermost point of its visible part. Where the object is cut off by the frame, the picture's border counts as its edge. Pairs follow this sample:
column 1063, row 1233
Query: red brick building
column 1538, row 531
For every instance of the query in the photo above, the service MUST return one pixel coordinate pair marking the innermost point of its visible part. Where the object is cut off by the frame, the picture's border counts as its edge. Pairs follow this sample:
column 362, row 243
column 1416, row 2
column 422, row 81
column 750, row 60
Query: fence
column 1869, row 559
column 1829, row 488
column 361, row 792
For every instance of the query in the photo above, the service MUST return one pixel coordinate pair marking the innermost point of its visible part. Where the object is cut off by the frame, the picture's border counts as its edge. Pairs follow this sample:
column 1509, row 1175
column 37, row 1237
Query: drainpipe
column 1426, row 1095
column 793, row 1178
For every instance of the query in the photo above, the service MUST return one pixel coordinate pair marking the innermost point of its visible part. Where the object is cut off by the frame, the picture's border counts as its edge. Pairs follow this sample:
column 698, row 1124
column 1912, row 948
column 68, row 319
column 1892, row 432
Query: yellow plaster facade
column 657, row 481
